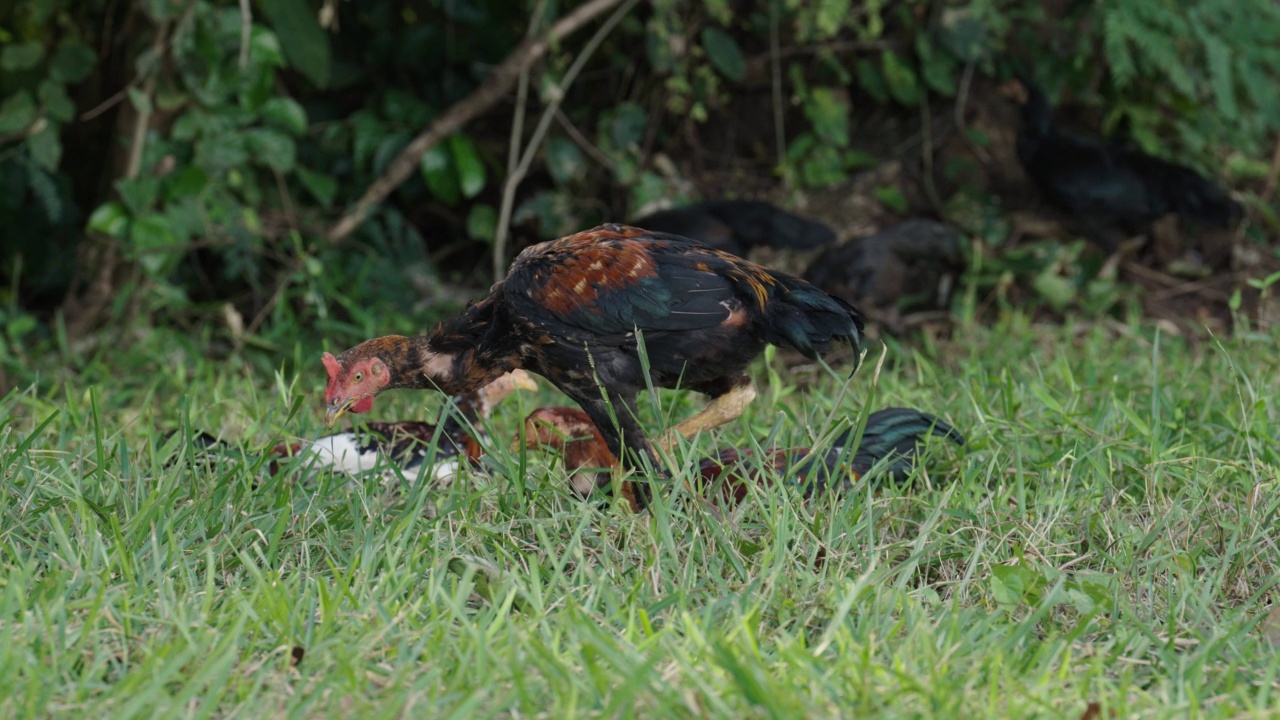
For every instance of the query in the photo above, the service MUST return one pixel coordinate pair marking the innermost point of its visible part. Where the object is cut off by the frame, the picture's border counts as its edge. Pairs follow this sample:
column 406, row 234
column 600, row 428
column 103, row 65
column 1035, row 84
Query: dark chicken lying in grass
column 1112, row 191
column 913, row 265
column 576, row 310
column 891, row 435
column 395, row 446
column 736, row 226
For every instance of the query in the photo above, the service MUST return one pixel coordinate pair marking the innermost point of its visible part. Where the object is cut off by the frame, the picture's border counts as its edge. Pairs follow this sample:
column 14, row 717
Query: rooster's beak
column 335, row 411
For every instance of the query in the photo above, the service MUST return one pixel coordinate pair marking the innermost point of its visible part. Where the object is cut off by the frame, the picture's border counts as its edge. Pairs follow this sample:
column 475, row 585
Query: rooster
column 601, row 314
column 1110, row 190
column 891, row 436
column 736, row 226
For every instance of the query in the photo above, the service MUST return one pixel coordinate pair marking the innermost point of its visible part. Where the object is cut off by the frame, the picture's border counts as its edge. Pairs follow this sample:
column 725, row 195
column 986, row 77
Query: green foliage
column 1205, row 55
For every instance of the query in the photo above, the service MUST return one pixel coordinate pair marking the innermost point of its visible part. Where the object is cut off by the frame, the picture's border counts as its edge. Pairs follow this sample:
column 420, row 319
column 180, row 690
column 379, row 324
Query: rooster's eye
column 359, row 377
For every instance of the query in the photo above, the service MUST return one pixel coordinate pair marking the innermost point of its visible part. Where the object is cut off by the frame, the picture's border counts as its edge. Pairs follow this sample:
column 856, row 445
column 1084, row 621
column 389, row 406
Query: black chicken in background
column 1111, row 192
column 736, row 226
column 909, row 267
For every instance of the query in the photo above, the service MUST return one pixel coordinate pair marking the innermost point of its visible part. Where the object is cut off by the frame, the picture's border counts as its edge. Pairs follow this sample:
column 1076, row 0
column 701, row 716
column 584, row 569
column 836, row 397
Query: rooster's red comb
column 334, row 368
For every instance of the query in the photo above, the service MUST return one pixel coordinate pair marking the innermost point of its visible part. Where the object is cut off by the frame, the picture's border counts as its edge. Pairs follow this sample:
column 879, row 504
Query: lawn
column 1104, row 546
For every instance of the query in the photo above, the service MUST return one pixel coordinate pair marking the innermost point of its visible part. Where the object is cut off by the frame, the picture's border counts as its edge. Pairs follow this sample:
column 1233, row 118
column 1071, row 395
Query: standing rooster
column 891, row 436
column 579, row 309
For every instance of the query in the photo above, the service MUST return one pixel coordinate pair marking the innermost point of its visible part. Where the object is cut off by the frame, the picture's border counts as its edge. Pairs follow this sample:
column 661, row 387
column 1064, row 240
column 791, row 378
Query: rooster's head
column 355, row 377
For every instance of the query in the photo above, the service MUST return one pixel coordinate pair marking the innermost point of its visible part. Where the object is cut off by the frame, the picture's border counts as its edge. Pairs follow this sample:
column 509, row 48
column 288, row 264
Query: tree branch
column 462, row 112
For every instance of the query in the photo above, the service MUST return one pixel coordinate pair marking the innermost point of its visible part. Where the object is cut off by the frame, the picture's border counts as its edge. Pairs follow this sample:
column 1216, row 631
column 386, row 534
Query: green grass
column 1107, row 536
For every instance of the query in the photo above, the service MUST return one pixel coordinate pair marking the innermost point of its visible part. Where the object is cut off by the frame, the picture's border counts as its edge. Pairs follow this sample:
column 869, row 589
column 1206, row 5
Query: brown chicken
column 602, row 314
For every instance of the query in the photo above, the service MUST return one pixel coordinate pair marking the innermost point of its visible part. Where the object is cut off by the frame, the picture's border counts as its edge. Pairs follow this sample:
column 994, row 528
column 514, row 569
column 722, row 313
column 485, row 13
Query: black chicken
column 913, row 265
column 579, row 309
column 890, row 439
column 1113, row 192
column 736, row 226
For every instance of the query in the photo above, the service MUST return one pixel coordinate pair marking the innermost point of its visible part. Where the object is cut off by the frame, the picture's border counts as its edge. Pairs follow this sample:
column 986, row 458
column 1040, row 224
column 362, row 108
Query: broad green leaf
column 830, row 16
column 21, row 325
column 286, row 114
column 305, row 43
column 322, row 187
column 405, row 108
column 900, row 79
column 264, row 47
column 21, row 56
column 1055, row 289
column 822, row 167
column 829, row 113
column 1013, row 585
column 724, row 53
column 482, row 222
column 188, row 125
column 43, row 188
column 159, row 10
column 964, row 34
column 551, row 209
column 56, row 101
column 466, row 159
column 388, row 150
column 565, row 161
column 650, row 189
column 437, row 171
column 17, row 112
column 626, row 124
column 139, row 100
column 467, row 13
column 871, row 80
column 658, row 47
column 219, row 151
column 939, row 69
column 367, row 133
column 139, row 194
column 190, row 181
column 72, row 62
column 46, row 147
column 891, row 196
column 152, row 242
column 109, row 219
column 184, row 219
column 273, row 149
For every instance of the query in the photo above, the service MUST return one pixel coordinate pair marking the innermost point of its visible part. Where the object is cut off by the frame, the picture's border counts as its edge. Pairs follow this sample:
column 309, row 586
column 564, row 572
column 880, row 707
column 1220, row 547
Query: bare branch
column 462, row 112
column 246, row 25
